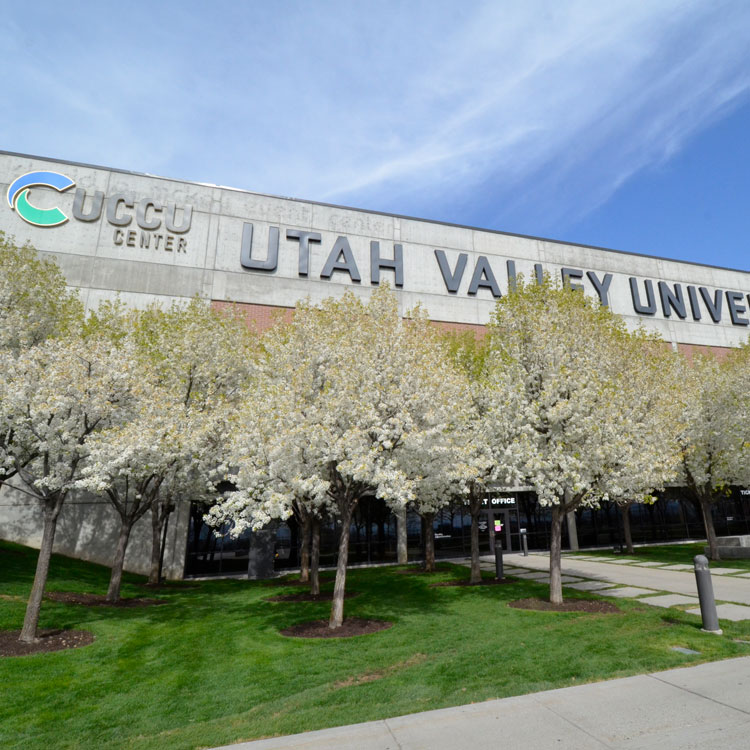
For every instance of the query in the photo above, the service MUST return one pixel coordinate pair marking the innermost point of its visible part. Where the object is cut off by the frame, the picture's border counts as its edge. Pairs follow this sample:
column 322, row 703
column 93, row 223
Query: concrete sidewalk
column 726, row 588
column 681, row 709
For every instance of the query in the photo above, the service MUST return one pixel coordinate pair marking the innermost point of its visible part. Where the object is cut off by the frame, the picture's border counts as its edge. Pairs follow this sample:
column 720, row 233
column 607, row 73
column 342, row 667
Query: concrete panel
column 254, row 207
column 131, row 276
column 724, row 682
column 145, row 247
column 87, row 529
column 634, row 708
column 591, row 585
column 136, row 300
column 505, row 246
column 352, row 223
column 669, row 600
column 626, row 592
column 162, row 189
column 734, row 612
column 726, row 571
column 441, row 236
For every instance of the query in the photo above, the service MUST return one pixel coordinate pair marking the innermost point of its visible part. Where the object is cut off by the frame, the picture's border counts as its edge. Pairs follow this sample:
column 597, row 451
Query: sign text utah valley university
column 647, row 296
column 149, row 224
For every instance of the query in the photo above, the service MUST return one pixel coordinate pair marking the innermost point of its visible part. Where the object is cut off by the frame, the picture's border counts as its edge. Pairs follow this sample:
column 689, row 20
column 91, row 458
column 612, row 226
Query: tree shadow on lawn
column 385, row 594
column 381, row 597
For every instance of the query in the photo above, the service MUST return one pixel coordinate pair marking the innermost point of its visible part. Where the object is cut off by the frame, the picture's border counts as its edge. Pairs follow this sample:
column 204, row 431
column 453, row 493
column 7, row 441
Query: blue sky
column 617, row 124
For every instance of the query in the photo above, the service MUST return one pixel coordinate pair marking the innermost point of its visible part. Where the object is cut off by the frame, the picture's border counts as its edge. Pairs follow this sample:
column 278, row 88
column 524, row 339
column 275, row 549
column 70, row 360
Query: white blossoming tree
column 715, row 447
column 348, row 384
column 191, row 363
column 581, row 374
column 491, row 434
column 34, row 305
column 56, row 395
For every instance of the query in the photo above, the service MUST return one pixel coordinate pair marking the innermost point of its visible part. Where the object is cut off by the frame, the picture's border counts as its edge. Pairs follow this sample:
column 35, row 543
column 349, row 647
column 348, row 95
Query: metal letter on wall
column 341, row 258
column 601, row 286
column 452, row 280
column 712, row 305
column 650, row 307
column 305, row 238
column 376, row 263
column 483, row 277
column 571, row 273
column 694, row 306
column 511, row 266
column 736, row 309
column 672, row 300
column 187, row 219
column 113, row 203
column 96, row 205
column 246, row 253
column 141, row 215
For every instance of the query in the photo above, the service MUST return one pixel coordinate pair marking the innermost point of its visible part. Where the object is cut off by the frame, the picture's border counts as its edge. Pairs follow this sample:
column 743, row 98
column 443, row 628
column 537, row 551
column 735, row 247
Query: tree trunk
column 401, row 539
column 304, row 558
column 115, row 579
column 555, row 548
column 31, row 619
column 625, row 512
column 474, row 508
column 429, row 542
column 315, row 557
column 156, row 524
column 708, row 522
column 339, row 588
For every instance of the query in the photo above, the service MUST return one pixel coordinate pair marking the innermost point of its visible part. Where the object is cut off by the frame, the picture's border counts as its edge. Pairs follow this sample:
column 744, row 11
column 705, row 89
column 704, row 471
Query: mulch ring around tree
column 325, row 596
column 572, row 605
column 99, row 600
column 296, row 581
column 351, row 626
column 169, row 586
column 466, row 582
column 48, row 640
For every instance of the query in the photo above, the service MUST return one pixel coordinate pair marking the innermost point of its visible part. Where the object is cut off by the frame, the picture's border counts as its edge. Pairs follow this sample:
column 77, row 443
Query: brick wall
column 262, row 317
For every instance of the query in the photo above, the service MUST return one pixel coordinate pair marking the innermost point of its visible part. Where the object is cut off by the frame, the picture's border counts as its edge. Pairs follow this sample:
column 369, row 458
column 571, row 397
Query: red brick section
column 259, row 317
column 262, row 317
column 720, row 352
column 478, row 331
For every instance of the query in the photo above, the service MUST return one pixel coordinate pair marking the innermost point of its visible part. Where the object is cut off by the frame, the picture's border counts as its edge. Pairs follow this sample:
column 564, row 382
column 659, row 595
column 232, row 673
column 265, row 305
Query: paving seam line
column 390, row 731
column 699, row 695
column 571, row 722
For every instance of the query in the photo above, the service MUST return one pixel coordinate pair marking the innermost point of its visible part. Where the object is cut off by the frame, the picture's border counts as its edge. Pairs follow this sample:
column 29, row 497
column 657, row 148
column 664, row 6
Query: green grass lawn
column 210, row 667
column 668, row 553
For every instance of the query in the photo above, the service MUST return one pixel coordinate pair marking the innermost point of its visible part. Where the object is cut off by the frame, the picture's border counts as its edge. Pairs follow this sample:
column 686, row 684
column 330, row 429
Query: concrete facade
column 149, row 239
column 111, row 252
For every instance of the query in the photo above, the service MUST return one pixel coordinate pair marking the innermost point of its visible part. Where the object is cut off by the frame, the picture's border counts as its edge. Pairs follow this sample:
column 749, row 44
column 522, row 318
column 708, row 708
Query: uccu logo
column 20, row 189
column 146, row 223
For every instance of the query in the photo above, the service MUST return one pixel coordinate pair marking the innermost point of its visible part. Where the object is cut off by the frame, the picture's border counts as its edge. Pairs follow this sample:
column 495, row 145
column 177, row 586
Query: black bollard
column 524, row 543
column 498, row 560
column 706, row 595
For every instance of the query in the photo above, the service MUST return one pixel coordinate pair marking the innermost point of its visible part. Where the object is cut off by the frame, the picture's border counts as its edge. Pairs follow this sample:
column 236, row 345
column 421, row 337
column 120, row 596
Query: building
column 148, row 238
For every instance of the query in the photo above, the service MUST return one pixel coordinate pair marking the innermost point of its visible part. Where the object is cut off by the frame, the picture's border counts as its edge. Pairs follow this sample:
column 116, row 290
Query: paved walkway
column 681, row 709
column 727, row 588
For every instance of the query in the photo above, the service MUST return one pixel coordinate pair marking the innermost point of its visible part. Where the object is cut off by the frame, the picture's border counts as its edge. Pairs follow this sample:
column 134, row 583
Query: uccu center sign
column 149, row 238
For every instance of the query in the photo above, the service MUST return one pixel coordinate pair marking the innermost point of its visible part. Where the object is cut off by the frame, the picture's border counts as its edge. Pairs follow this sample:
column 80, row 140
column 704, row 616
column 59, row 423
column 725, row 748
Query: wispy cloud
column 478, row 112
